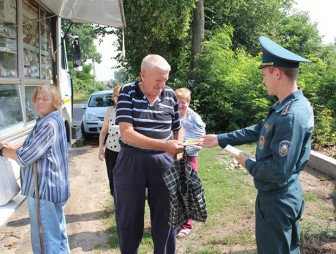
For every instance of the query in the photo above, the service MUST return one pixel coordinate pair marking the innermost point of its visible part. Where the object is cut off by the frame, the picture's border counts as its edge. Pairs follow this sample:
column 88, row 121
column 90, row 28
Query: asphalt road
column 77, row 114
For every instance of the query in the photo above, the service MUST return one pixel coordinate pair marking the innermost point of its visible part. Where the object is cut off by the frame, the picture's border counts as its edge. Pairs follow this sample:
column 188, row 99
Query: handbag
column 9, row 187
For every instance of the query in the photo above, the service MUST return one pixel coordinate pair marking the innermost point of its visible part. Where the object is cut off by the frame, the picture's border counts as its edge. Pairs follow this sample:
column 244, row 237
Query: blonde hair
column 116, row 89
column 155, row 61
column 51, row 90
column 183, row 93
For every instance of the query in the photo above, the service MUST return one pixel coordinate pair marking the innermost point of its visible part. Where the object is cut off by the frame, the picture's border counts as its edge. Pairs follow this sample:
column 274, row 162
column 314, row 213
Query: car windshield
column 101, row 100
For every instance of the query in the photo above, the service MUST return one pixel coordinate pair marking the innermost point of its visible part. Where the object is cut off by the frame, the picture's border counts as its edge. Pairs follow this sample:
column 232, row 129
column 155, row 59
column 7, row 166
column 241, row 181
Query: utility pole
column 94, row 74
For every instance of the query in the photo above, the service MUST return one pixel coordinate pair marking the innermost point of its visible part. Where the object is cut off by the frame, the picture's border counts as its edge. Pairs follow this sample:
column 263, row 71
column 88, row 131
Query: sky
column 320, row 11
column 105, row 70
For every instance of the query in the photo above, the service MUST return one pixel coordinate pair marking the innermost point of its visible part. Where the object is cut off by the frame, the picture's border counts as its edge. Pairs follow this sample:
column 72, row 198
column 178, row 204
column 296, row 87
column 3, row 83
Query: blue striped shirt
column 47, row 145
column 155, row 121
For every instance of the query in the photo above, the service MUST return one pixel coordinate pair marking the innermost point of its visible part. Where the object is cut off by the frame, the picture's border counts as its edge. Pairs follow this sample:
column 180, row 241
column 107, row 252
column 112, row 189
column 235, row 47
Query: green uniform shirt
column 283, row 142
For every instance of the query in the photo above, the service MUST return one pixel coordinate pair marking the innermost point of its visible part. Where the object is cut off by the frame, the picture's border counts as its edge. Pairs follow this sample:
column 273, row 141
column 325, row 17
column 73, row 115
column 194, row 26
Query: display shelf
column 6, row 36
column 6, row 21
column 36, row 49
column 30, row 47
column 2, row 49
column 30, row 11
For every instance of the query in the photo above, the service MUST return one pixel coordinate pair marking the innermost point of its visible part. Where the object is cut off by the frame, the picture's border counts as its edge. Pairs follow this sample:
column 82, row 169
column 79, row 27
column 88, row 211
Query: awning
column 103, row 12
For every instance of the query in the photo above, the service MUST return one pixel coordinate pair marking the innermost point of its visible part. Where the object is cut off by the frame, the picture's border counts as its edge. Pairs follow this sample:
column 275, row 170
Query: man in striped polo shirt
column 150, row 128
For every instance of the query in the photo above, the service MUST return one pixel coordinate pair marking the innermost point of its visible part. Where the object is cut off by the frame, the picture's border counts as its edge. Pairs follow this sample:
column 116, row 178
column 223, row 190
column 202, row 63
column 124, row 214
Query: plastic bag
column 9, row 187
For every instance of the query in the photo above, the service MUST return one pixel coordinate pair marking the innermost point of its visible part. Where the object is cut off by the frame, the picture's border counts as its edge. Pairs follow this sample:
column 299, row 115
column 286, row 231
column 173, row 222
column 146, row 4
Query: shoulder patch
column 261, row 142
column 266, row 126
column 284, row 147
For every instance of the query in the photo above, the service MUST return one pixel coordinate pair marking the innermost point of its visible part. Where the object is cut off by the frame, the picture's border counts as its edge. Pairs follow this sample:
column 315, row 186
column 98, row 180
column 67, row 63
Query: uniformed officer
column 283, row 149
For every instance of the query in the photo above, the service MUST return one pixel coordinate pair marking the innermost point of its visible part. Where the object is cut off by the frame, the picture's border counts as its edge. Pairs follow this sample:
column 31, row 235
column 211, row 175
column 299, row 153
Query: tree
column 157, row 27
column 87, row 34
column 121, row 76
column 297, row 33
column 82, row 81
column 250, row 19
column 197, row 35
column 227, row 88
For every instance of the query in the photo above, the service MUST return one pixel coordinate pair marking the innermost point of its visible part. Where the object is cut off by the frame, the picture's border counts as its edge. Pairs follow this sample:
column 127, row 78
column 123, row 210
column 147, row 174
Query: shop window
column 37, row 41
column 8, row 39
column 10, row 110
column 46, row 46
column 31, row 113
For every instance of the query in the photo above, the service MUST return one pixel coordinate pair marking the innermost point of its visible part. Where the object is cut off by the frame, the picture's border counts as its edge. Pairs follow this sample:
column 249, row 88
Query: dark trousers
column 135, row 171
column 110, row 160
column 278, row 220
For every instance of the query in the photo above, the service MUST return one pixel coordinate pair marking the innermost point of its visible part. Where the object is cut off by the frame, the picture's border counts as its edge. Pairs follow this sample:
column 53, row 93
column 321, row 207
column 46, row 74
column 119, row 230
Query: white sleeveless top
column 112, row 141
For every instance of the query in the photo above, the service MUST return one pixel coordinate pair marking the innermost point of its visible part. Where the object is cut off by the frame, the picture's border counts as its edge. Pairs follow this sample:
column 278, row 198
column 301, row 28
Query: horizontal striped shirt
column 155, row 121
column 46, row 145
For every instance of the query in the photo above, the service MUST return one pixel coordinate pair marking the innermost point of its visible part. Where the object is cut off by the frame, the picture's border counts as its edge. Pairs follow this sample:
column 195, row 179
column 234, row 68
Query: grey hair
column 155, row 61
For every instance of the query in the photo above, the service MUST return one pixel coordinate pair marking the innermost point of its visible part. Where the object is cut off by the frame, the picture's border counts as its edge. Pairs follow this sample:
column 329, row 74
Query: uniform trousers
column 278, row 220
column 136, row 170
column 53, row 227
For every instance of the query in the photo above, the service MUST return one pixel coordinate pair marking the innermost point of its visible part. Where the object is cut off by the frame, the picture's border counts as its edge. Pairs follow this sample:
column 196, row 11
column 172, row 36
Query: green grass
column 311, row 197
column 80, row 98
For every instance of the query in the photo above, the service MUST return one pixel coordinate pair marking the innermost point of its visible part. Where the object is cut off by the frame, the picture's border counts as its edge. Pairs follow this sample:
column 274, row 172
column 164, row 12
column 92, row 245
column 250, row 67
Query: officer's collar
column 290, row 98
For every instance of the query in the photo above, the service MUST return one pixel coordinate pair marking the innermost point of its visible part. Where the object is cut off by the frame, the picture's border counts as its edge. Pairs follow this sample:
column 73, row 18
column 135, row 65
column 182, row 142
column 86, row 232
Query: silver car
column 95, row 110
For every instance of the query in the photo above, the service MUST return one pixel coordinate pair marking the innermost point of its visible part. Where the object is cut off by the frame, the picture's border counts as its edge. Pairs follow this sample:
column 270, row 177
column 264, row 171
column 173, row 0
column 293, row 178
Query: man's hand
column 210, row 140
column 173, row 147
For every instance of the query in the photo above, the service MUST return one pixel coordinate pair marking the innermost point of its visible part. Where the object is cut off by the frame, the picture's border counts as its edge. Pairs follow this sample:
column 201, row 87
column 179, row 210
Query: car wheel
column 84, row 134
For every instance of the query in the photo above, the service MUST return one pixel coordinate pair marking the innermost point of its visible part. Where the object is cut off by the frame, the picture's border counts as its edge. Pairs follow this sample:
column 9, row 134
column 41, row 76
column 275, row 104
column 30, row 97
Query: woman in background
column 112, row 142
column 193, row 128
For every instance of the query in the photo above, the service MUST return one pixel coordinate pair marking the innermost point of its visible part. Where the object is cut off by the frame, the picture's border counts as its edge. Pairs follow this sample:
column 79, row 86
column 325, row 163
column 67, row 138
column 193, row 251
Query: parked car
column 95, row 110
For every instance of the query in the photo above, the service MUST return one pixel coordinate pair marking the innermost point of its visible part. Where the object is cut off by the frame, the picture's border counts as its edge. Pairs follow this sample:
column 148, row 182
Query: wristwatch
column 1, row 150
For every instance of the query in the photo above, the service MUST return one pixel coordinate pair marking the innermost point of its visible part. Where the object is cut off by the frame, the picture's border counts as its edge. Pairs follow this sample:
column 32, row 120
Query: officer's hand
column 242, row 159
column 210, row 140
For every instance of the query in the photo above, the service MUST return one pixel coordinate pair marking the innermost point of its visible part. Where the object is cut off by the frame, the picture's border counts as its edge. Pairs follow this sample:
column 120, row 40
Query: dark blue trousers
column 135, row 171
column 278, row 220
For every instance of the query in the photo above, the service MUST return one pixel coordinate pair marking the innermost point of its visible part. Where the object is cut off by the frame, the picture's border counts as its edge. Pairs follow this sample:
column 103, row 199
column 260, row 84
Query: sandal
column 184, row 232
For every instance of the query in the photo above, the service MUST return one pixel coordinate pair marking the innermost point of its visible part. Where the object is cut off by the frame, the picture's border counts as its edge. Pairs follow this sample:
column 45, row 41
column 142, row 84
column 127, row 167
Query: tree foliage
column 319, row 82
column 249, row 18
column 156, row 27
column 82, row 81
column 226, row 84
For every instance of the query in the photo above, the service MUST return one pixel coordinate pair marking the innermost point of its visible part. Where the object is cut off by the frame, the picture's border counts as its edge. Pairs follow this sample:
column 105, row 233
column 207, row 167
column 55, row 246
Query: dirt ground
column 89, row 206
